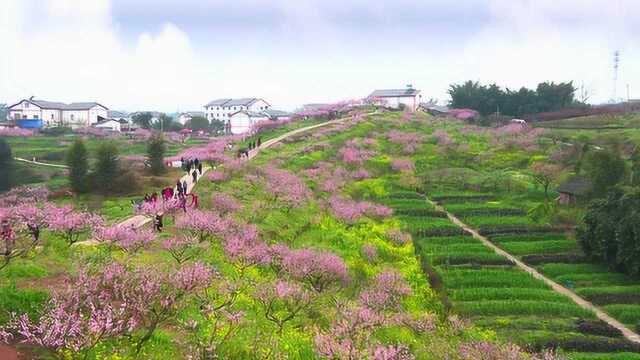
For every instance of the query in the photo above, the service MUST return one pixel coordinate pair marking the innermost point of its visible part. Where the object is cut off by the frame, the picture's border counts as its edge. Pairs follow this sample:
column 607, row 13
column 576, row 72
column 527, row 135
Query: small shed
column 572, row 190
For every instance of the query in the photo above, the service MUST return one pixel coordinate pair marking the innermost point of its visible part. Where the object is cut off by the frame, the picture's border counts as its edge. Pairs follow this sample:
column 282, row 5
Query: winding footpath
column 40, row 163
column 628, row 333
column 137, row 221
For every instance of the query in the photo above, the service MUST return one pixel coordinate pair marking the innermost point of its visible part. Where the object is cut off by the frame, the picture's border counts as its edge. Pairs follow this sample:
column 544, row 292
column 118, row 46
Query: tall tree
column 78, row 163
column 107, row 166
column 605, row 169
column 156, row 149
column 143, row 119
column 6, row 165
column 166, row 123
column 198, row 123
column 610, row 232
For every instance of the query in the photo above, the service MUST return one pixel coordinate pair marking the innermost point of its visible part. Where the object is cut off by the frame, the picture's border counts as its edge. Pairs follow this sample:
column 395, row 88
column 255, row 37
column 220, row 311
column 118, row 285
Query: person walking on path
column 200, row 169
column 184, row 187
column 158, row 222
column 259, row 141
column 195, row 176
column 183, row 203
column 179, row 188
column 196, row 162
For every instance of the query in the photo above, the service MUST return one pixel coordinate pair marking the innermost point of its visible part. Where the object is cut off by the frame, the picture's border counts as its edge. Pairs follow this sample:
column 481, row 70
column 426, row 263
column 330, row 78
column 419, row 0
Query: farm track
column 40, row 163
column 137, row 221
column 628, row 333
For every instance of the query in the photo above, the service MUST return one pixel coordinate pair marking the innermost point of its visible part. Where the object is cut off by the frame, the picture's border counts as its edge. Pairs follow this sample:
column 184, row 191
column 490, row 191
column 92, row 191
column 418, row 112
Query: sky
column 178, row 55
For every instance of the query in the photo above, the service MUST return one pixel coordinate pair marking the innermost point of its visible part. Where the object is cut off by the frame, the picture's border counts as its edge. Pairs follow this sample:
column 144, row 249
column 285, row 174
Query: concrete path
column 628, row 333
column 138, row 220
column 41, row 163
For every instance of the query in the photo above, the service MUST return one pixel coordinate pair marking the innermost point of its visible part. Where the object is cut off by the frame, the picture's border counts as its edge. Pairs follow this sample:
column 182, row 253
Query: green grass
column 604, row 356
column 554, row 270
column 497, row 220
column 591, row 291
column 526, row 238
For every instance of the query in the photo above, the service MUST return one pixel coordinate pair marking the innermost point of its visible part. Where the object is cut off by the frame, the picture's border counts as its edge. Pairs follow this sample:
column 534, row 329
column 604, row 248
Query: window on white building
column 35, row 116
column 25, row 104
column 51, row 116
column 71, row 117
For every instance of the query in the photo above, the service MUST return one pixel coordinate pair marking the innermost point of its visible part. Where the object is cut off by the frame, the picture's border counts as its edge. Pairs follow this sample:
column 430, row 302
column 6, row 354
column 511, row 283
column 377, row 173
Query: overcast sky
column 178, row 55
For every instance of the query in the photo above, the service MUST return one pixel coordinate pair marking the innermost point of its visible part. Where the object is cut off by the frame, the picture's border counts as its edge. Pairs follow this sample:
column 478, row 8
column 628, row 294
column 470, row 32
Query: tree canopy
column 78, row 162
column 611, row 230
column 143, row 119
column 156, row 148
column 6, row 165
column 198, row 123
column 489, row 99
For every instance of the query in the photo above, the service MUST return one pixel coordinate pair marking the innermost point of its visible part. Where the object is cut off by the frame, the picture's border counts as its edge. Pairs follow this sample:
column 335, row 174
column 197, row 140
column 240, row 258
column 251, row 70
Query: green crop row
column 490, row 278
column 521, row 307
column 527, row 237
column 540, row 247
column 483, row 294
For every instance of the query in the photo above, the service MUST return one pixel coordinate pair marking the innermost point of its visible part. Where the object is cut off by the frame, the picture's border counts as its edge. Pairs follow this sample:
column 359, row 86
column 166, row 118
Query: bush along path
column 628, row 333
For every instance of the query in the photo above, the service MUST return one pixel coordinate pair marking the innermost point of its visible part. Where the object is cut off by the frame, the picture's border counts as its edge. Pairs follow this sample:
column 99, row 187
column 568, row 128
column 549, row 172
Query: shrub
column 421, row 212
column 156, row 149
column 78, row 163
column 7, row 166
column 516, row 229
column 107, row 166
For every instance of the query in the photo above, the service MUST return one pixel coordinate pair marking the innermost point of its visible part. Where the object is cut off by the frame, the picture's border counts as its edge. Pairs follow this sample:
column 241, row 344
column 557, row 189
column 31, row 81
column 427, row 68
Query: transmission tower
column 616, row 66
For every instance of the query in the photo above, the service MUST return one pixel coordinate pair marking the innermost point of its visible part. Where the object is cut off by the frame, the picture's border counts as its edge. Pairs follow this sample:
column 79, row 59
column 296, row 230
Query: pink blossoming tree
column 127, row 239
column 181, row 248
column 282, row 302
column 71, row 224
column 202, row 224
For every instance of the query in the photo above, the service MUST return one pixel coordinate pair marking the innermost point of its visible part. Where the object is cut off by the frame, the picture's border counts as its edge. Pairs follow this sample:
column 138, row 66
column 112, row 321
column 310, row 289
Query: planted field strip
column 479, row 280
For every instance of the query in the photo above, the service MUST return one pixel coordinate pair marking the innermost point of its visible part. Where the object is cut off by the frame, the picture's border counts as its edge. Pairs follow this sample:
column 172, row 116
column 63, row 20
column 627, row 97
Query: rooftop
column 233, row 102
column 577, row 185
column 408, row 92
column 44, row 104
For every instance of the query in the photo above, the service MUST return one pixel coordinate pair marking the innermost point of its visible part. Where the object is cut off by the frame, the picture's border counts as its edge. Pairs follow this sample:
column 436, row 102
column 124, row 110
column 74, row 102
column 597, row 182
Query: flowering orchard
column 303, row 252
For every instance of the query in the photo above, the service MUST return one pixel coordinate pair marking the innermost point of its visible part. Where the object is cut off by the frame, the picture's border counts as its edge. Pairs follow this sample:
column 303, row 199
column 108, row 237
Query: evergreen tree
column 605, row 169
column 77, row 160
column 107, row 167
column 155, row 153
column 6, row 166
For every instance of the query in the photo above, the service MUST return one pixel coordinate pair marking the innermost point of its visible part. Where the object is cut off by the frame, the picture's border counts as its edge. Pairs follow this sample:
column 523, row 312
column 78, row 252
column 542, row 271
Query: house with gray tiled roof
column 185, row 117
column 34, row 113
column 222, row 109
column 408, row 98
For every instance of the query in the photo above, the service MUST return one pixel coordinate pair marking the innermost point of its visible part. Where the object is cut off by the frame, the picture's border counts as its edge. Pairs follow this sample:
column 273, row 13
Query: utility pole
column 616, row 65
column 628, row 97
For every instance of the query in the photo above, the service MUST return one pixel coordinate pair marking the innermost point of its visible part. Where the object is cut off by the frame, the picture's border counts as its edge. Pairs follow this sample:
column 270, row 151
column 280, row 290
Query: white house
column 395, row 98
column 185, row 117
column 242, row 121
column 31, row 113
column 222, row 109
column 109, row 124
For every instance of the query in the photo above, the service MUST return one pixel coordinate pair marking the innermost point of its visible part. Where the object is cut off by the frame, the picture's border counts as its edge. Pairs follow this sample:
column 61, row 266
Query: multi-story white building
column 31, row 113
column 222, row 109
column 185, row 117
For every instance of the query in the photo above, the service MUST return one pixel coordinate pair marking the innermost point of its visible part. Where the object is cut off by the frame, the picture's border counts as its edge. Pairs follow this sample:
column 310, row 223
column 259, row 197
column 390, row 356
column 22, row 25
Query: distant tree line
column 167, row 123
column 489, row 99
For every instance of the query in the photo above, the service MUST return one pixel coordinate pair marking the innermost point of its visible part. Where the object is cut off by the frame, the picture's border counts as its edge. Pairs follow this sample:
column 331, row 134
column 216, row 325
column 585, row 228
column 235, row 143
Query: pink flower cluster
column 224, row 203
column 486, row 350
column 318, row 269
column 16, row 132
column 398, row 237
column 217, row 176
column 387, row 291
column 443, row 138
column 351, row 211
column 402, row 165
column 352, row 155
column 95, row 132
column 463, row 114
column 202, row 224
column 71, row 224
column 285, row 187
column 128, row 239
column 410, row 141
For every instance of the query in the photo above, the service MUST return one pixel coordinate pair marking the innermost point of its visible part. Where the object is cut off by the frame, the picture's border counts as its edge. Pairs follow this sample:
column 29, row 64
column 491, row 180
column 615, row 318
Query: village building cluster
column 237, row 115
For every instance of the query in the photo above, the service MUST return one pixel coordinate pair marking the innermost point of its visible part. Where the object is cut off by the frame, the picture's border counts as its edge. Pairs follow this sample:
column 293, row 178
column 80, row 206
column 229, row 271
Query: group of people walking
column 253, row 144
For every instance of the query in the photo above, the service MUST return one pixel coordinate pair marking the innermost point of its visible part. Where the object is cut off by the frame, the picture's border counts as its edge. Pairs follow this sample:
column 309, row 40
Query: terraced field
column 487, row 288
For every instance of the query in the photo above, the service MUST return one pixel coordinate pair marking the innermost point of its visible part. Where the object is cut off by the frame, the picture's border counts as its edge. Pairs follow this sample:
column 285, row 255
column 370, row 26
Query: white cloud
column 74, row 50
